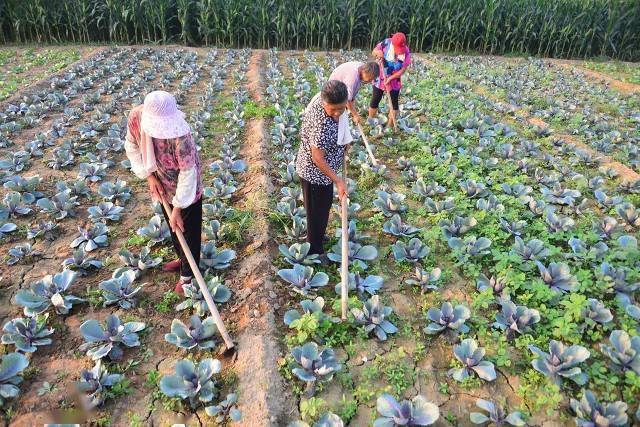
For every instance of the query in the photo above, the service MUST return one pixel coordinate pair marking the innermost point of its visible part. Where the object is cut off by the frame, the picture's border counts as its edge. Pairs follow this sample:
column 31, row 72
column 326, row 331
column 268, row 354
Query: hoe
column 230, row 346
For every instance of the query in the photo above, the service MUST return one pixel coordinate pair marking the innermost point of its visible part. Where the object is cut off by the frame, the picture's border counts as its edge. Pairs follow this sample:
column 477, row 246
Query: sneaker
column 172, row 266
column 178, row 288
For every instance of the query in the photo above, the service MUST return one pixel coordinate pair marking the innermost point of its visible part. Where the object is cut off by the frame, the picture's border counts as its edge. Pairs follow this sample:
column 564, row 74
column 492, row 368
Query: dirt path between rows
column 625, row 173
column 623, row 87
column 568, row 64
column 262, row 397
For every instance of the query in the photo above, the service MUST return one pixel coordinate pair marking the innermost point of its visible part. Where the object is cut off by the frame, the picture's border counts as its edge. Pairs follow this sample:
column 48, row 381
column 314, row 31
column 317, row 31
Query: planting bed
column 623, row 71
column 494, row 248
column 21, row 67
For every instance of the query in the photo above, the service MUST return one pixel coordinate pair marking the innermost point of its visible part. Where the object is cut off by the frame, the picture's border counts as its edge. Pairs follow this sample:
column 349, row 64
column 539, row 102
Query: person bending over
column 394, row 57
column 161, row 149
column 353, row 74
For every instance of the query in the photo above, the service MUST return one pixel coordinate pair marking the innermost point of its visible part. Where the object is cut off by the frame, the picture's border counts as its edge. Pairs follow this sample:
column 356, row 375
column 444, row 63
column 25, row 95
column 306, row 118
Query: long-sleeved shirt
column 177, row 161
column 393, row 61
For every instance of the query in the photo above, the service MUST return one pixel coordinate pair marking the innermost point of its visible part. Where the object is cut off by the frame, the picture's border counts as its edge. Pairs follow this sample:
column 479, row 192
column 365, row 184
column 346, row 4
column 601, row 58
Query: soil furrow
column 262, row 394
column 623, row 87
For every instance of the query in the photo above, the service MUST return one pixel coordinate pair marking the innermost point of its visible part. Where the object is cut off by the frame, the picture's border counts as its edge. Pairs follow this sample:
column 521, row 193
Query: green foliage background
column 556, row 28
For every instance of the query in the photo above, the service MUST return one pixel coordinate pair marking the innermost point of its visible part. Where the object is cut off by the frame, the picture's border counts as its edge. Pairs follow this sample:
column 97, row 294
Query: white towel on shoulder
column 344, row 128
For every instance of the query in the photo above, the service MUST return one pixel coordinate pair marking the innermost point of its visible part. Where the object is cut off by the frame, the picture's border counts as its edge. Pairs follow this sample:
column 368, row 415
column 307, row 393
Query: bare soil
column 44, row 82
column 264, row 400
column 623, row 87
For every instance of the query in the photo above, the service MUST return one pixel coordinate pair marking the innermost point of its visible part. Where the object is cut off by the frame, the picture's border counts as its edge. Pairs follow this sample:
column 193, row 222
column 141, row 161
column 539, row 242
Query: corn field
column 561, row 28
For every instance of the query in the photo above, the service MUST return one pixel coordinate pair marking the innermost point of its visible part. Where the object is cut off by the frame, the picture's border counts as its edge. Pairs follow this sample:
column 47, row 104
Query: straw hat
column 161, row 118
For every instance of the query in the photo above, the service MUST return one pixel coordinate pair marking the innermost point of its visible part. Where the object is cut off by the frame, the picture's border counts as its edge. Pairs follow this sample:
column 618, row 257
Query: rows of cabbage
column 613, row 206
column 21, row 67
column 199, row 378
column 568, row 101
column 99, row 91
column 544, row 266
column 41, row 216
column 549, row 239
column 319, row 343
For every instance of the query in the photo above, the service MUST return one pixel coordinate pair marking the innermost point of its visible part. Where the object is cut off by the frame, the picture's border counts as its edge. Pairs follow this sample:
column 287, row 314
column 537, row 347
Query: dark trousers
column 317, row 203
column 377, row 97
column 192, row 219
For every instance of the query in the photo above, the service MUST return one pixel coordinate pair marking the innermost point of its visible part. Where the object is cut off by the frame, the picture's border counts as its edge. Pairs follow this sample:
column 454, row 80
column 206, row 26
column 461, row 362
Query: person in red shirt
column 394, row 58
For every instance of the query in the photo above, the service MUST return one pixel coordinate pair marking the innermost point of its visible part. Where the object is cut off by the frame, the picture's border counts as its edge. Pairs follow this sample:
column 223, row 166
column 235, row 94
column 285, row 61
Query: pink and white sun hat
column 161, row 118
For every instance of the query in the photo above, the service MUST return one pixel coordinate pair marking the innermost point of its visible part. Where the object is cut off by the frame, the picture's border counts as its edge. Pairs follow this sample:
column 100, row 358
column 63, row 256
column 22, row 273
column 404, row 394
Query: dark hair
column 334, row 92
column 371, row 68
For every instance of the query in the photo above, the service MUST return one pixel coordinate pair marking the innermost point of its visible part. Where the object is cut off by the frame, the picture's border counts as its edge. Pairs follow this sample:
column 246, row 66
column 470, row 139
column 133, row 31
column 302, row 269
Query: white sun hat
column 161, row 118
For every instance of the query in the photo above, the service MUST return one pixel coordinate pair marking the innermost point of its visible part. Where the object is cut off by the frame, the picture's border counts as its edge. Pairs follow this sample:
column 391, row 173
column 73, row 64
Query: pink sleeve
column 132, row 145
column 133, row 126
column 186, row 152
column 407, row 60
column 379, row 46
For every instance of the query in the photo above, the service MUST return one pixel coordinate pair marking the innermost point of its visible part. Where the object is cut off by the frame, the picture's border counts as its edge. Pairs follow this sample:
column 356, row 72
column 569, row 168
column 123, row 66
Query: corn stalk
column 557, row 28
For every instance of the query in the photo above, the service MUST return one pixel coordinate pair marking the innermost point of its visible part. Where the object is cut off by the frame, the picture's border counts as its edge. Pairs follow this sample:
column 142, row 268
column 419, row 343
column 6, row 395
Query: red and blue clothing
column 392, row 61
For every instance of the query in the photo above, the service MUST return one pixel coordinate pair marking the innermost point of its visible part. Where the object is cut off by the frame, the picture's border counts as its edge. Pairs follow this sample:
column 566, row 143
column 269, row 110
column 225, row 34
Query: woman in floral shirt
column 161, row 149
column 324, row 137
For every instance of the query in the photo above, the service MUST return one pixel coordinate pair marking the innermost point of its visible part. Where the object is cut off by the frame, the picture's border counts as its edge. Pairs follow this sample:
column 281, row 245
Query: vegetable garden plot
column 498, row 27
column 493, row 270
column 623, row 71
column 20, row 67
column 604, row 118
column 102, row 303
column 484, row 282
